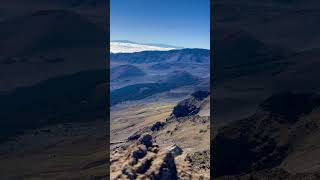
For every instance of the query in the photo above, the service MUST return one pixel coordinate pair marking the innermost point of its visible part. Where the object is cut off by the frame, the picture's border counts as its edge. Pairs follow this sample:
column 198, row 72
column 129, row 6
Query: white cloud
column 124, row 47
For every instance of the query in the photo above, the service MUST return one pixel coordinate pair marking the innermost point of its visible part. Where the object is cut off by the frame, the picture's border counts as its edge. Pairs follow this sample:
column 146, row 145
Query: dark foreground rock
column 146, row 160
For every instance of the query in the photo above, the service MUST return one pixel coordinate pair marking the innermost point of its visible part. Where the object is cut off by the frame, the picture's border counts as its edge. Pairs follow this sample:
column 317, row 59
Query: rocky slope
column 264, row 48
column 63, row 151
column 53, row 89
column 144, row 159
column 282, row 133
column 164, row 150
column 45, row 44
column 141, row 91
column 75, row 98
column 125, row 71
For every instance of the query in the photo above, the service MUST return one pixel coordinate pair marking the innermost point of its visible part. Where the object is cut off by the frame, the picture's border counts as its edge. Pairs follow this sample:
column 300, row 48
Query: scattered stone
column 157, row 126
column 146, row 139
column 175, row 150
column 140, row 152
column 200, row 160
column 134, row 136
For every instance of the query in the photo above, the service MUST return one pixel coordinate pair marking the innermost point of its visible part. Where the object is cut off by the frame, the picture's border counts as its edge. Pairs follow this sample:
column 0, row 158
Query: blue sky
column 184, row 23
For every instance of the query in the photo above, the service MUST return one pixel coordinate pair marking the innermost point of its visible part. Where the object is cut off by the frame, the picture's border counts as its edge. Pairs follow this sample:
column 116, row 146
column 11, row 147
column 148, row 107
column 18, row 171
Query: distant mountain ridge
column 176, row 55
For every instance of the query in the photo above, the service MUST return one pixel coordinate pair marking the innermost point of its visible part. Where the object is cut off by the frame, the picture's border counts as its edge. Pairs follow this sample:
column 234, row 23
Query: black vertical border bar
column 212, row 129
column 107, row 58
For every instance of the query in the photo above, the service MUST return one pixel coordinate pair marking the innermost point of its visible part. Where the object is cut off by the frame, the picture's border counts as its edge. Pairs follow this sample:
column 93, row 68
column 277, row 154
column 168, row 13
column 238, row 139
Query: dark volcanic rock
column 190, row 106
column 138, row 134
column 134, row 136
column 186, row 108
column 146, row 140
column 157, row 126
column 200, row 95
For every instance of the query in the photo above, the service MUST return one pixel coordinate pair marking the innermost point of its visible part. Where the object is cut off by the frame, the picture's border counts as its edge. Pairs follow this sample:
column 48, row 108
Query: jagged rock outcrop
column 144, row 159
column 138, row 134
column 200, row 95
column 190, row 106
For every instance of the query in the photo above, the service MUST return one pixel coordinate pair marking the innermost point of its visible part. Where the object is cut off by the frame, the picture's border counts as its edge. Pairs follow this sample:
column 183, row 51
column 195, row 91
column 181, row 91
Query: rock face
column 285, row 126
column 146, row 160
column 190, row 106
column 200, row 95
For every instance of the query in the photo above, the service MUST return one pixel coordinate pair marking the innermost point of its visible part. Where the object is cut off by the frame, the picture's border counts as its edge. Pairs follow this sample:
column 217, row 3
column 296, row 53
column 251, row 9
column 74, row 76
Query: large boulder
column 146, row 139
